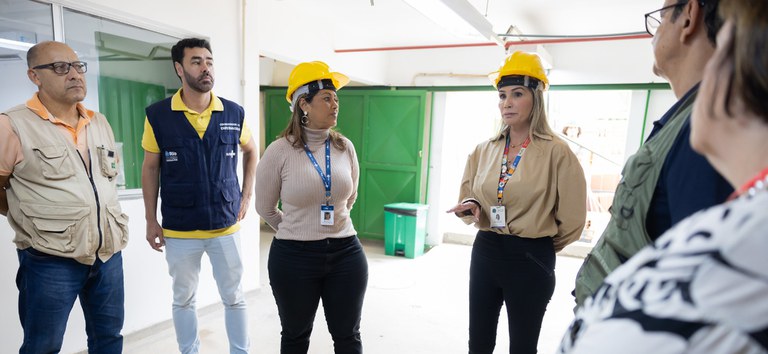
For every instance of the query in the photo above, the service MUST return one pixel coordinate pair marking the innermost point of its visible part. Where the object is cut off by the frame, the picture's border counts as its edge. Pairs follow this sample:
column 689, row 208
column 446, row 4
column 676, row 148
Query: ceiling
column 356, row 24
column 391, row 42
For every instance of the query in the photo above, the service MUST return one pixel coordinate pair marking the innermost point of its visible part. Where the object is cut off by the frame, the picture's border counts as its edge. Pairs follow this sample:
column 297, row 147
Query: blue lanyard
column 327, row 176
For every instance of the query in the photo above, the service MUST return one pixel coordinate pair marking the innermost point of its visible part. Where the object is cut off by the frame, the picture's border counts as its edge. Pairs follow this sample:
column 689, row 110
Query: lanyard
column 504, row 175
column 327, row 176
column 756, row 183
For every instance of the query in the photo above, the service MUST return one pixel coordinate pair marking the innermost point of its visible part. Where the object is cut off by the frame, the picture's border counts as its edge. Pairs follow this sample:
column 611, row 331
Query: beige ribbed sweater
column 286, row 174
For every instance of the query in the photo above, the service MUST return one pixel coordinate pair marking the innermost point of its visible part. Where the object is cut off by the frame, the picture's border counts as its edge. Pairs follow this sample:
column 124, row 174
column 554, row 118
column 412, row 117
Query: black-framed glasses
column 652, row 23
column 62, row 67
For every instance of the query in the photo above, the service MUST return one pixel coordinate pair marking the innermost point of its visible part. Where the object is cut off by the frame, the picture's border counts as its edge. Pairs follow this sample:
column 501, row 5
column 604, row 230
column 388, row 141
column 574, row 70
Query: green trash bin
column 405, row 228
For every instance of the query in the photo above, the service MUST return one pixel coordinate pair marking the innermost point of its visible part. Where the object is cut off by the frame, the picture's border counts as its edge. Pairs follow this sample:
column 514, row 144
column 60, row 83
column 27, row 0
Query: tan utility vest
column 54, row 206
column 626, row 233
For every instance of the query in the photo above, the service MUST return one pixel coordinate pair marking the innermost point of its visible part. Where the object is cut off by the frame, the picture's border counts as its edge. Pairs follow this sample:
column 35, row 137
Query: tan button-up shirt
column 545, row 197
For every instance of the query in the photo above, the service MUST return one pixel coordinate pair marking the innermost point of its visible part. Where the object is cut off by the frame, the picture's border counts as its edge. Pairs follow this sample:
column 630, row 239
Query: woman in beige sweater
column 313, row 171
column 525, row 190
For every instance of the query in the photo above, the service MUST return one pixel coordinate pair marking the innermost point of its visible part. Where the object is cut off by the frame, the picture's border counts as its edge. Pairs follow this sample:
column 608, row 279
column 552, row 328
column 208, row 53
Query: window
column 594, row 122
column 23, row 23
column 128, row 69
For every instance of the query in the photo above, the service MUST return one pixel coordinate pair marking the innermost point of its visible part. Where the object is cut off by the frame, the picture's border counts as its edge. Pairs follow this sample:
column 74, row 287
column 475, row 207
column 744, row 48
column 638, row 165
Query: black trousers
column 516, row 271
column 303, row 272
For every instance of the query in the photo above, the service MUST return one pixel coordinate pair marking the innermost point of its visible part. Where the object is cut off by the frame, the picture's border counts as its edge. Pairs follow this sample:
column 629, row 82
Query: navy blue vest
column 198, row 177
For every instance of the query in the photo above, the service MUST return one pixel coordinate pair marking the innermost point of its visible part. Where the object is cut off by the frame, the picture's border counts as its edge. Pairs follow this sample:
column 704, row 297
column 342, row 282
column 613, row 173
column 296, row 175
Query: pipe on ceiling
column 492, row 44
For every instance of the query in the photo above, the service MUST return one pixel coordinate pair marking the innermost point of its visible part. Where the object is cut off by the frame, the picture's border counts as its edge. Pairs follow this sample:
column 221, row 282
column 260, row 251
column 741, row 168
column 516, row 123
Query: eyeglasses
column 62, row 67
column 652, row 23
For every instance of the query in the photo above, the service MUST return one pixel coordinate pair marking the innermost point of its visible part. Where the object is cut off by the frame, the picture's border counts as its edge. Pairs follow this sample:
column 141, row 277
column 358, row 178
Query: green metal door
column 387, row 129
column 278, row 113
column 391, row 162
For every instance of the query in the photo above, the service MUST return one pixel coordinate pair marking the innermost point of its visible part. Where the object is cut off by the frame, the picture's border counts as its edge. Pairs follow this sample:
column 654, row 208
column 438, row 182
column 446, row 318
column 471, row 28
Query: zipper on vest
column 88, row 171
column 207, row 151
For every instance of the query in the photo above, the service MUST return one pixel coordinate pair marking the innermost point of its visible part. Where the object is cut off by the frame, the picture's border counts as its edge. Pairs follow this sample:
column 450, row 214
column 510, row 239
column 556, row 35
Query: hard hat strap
column 311, row 88
column 519, row 80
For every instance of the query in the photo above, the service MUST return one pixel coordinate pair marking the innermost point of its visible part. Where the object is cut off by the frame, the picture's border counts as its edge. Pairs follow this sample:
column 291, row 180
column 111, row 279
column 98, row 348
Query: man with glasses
column 58, row 173
column 665, row 181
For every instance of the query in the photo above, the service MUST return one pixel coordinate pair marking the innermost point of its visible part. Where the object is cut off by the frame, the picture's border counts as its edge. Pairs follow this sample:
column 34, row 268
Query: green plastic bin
column 405, row 228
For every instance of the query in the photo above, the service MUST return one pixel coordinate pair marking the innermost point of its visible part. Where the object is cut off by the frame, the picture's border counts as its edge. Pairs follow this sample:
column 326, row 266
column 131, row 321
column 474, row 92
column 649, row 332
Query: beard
column 197, row 84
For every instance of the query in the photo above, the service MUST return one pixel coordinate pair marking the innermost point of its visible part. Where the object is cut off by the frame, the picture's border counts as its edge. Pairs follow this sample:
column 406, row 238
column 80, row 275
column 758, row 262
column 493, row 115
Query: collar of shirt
column 657, row 125
column 503, row 135
column 177, row 104
column 35, row 105
column 533, row 148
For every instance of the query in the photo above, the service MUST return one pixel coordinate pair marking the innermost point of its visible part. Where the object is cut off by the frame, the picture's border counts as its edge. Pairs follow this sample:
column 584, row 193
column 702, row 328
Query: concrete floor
column 412, row 306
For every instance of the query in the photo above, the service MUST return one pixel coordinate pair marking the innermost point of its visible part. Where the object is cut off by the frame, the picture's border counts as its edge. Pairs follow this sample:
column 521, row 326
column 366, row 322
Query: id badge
column 326, row 215
column 498, row 216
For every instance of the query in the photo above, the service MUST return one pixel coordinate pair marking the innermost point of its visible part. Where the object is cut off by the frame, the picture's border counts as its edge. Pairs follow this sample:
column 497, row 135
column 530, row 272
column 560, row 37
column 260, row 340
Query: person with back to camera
column 702, row 286
column 665, row 181
column 313, row 170
column 525, row 190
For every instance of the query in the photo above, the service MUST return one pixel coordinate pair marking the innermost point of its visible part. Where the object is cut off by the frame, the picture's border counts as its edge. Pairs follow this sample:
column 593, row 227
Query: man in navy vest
column 190, row 156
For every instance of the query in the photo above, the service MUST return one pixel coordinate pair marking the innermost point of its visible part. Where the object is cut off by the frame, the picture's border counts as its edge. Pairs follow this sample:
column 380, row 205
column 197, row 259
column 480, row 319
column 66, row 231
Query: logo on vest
column 171, row 156
column 229, row 126
column 230, row 154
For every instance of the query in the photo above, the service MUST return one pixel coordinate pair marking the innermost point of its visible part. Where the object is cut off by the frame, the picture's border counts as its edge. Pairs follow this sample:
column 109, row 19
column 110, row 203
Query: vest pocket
column 117, row 227
column 107, row 162
column 56, row 165
column 638, row 168
column 58, row 228
column 226, row 154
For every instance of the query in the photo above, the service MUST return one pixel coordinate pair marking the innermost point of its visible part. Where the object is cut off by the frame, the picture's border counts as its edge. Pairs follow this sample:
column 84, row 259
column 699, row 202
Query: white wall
column 294, row 36
column 148, row 285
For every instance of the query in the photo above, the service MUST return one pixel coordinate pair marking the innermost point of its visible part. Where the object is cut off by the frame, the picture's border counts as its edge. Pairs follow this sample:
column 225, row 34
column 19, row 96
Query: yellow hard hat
column 313, row 71
column 521, row 64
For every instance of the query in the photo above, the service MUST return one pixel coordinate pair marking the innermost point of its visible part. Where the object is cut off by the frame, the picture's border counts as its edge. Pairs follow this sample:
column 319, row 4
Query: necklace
column 518, row 144
column 756, row 184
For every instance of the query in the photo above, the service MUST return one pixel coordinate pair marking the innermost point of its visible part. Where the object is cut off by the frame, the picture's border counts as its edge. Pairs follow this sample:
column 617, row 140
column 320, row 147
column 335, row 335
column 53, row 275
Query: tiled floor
column 412, row 306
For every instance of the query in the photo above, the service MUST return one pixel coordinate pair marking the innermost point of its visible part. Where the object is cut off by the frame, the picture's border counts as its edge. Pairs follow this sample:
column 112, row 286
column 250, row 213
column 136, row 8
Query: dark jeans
column 48, row 286
column 520, row 272
column 303, row 272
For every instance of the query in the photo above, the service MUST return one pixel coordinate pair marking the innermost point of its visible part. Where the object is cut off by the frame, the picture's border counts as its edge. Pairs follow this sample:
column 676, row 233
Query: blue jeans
column 303, row 272
column 516, row 271
column 48, row 286
column 183, row 256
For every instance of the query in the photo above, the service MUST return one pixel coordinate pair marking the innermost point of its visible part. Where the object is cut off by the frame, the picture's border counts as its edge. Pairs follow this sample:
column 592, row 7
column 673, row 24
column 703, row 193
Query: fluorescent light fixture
column 15, row 45
column 458, row 17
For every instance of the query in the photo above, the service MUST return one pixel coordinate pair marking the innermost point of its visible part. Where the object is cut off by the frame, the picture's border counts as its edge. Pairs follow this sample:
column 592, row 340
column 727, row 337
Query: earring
column 304, row 119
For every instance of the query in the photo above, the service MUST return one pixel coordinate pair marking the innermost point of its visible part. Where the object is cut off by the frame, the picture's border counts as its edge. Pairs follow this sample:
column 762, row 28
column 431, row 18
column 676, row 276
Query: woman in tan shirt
column 525, row 190
column 313, row 171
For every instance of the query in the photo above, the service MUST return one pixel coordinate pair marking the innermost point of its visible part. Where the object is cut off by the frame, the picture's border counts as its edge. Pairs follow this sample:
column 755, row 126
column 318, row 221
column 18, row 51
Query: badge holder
column 326, row 215
column 498, row 216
